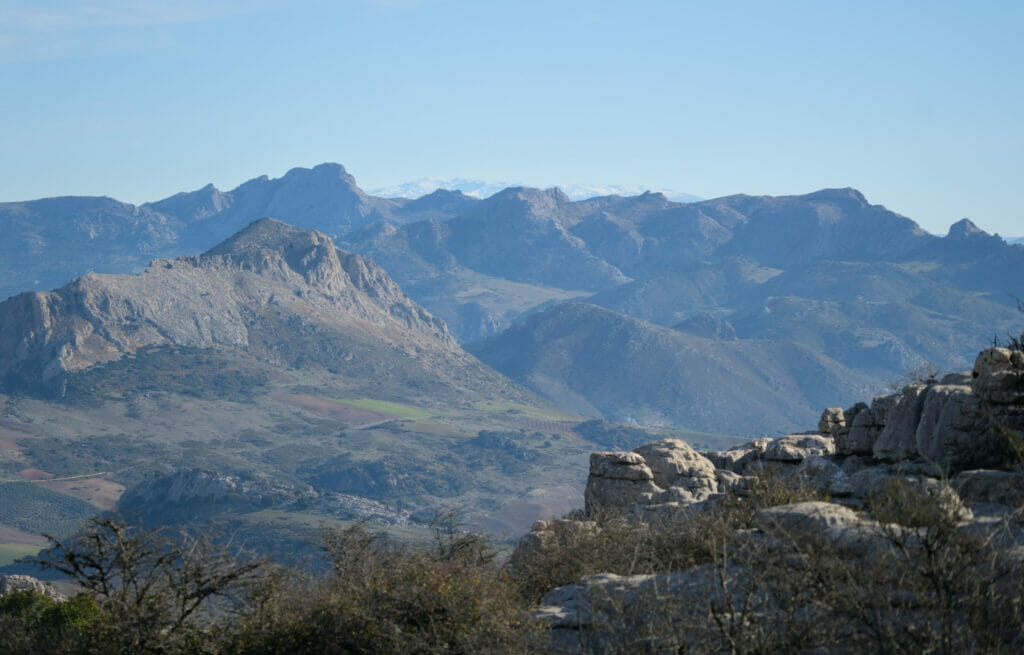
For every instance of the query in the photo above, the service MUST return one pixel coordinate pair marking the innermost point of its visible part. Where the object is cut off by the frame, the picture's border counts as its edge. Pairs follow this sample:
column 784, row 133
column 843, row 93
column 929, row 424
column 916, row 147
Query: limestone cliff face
column 268, row 272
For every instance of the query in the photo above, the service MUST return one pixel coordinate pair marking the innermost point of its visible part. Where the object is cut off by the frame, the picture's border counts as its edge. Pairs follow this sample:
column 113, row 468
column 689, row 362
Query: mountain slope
column 599, row 362
column 292, row 380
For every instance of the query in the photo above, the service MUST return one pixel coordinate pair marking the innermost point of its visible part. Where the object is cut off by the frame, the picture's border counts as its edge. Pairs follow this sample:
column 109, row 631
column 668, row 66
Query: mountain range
column 855, row 292
column 481, row 189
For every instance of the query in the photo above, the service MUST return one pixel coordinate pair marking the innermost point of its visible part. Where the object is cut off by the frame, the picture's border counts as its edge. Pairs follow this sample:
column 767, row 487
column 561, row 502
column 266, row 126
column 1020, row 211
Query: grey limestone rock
column 832, row 421
column 991, row 486
column 998, row 376
column 545, row 535
column 797, row 447
column 825, row 475
column 616, row 481
column 13, row 583
column 827, row 523
column 609, row 613
column 867, row 426
column 952, row 428
column 897, row 439
column 675, row 464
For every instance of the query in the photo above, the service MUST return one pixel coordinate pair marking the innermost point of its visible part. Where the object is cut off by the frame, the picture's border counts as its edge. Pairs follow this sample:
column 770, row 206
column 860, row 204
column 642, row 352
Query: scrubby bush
column 155, row 592
column 31, row 622
column 911, row 578
column 383, row 597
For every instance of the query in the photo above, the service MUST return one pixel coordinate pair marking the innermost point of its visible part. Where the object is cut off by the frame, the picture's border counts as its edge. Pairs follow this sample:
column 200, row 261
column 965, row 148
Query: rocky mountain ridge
column 848, row 282
column 270, row 276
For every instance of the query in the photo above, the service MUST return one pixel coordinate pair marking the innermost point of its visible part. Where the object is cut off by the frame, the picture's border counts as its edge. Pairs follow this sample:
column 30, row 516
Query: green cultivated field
column 32, row 508
column 11, row 552
column 386, row 407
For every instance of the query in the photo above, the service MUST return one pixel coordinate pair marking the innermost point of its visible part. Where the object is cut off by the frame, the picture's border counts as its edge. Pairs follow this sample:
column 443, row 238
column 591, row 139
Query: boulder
column 616, row 481
column 867, row 425
column 989, row 486
column 876, row 479
column 825, row 476
column 867, row 479
column 953, row 430
column 960, row 378
column 545, row 535
column 661, row 613
column 824, row 523
column 797, row 447
column 734, row 483
column 896, row 440
column 675, row 464
column 738, row 458
column 998, row 376
column 832, row 421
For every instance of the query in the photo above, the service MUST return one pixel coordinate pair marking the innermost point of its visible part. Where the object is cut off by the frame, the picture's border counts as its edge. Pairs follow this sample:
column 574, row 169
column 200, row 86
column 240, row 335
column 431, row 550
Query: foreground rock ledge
column 951, row 439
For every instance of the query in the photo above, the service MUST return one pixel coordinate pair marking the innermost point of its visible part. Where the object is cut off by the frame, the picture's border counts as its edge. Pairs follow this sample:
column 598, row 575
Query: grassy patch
column 524, row 410
column 11, row 552
column 394, row 409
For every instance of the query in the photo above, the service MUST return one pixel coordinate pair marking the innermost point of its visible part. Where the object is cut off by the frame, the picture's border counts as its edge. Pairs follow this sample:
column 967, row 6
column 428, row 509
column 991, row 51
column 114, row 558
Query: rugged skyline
column 913, row 103
column 813, row 299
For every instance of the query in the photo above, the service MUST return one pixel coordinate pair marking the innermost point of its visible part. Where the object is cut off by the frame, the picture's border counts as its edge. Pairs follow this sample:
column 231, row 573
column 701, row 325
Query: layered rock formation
column 956, row 441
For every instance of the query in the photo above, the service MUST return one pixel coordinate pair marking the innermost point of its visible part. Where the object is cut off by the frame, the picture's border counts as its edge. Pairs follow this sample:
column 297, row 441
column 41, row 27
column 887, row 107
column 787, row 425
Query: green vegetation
column 32, row 508
column 394, row 409
column 11, row 552
column 525, row 410
column 206, row 373
column 33, row 623
column 921, row 583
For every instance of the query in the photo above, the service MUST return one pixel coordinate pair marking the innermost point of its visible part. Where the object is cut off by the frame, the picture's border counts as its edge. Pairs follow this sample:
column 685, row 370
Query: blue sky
column 920, row 105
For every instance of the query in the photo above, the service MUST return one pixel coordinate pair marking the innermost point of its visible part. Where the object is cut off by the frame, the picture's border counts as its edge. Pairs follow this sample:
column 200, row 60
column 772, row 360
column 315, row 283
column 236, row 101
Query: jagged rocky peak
column 327, row 175
column 848, row 194
column 530, row 201
column 192, row 205
column 965, row 229
column 269, row 246
column 205, row 301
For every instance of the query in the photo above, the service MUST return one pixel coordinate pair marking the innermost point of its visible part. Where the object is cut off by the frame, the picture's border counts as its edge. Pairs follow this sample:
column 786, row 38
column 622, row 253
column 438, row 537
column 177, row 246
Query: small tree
column 152, row 587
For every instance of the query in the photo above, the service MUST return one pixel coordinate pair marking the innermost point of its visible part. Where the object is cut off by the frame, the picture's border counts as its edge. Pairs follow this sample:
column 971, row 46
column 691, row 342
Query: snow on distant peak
column 426, row 185
column 482, row 189
column 584, row 191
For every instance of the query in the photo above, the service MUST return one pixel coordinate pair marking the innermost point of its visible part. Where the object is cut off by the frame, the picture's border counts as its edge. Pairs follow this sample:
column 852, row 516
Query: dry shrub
column 383, row 597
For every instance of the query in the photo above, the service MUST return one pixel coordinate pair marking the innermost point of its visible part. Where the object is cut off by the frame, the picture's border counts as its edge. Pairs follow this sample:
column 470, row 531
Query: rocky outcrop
column 616, row 481
column 13, row 583
column 610, row 613
column 667, row 471
column 949, row 442
column 956, row 423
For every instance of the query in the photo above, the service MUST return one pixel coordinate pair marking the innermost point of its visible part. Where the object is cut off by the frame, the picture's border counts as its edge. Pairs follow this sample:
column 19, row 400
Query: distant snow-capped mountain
column 1015, row 240
column 482, row 189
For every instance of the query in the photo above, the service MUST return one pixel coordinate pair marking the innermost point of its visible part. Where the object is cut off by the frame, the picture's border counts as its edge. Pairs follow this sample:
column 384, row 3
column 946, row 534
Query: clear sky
column 920, row 105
